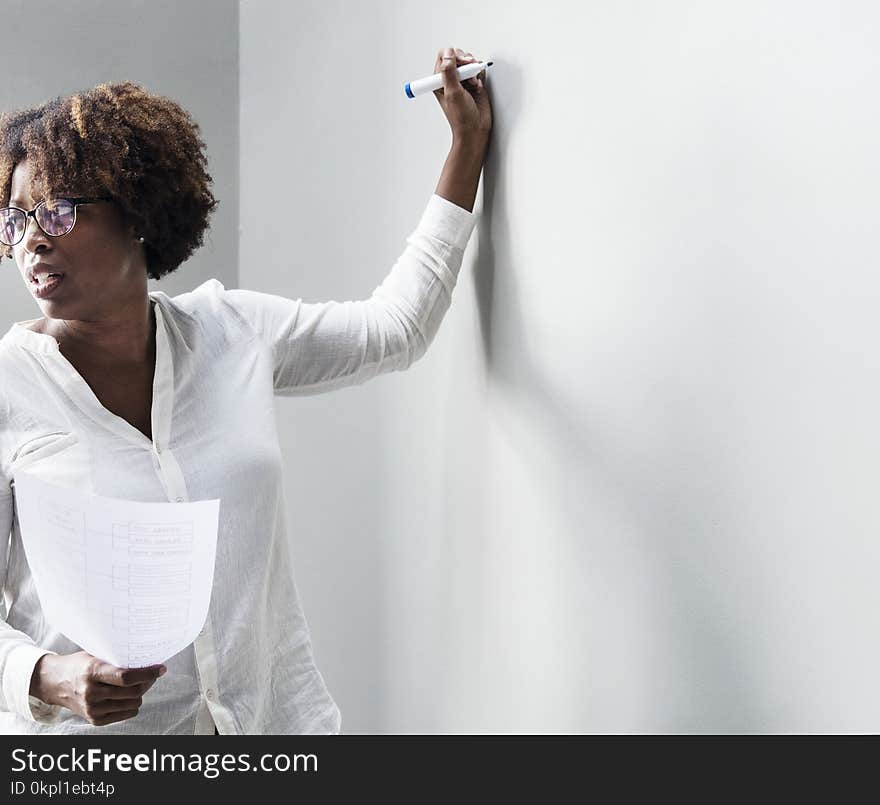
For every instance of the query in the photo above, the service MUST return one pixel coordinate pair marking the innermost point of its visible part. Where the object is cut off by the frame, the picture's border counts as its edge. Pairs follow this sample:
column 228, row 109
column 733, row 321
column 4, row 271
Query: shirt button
column 180, row 500
column 158, row 450
column 210, row 694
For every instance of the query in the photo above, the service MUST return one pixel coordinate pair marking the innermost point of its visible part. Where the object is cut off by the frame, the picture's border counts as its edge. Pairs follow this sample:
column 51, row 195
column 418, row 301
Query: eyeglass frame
column 75, row 200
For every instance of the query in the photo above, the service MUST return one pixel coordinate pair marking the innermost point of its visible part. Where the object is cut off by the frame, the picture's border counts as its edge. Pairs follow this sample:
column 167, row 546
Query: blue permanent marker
column 434, row 82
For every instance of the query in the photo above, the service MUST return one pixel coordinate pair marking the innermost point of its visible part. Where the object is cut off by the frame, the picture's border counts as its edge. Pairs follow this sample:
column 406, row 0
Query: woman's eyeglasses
column 56, row 218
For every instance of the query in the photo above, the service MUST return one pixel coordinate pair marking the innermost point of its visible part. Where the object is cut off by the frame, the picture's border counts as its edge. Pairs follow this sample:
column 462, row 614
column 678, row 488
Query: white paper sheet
column 128, row 581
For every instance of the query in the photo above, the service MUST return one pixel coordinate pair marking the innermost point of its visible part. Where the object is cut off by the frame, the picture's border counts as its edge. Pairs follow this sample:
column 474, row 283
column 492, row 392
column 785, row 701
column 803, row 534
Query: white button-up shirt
column 221, row 355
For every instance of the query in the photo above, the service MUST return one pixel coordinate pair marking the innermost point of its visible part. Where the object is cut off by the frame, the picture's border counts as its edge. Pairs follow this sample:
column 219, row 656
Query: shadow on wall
column 717, row 688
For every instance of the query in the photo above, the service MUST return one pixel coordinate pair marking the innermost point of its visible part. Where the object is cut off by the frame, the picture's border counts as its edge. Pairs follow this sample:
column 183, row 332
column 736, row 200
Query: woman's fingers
column 103, row 692
column 461, row 57
column 101, row 712
column 112, row 718
column 115, row 706
column 105, row 673
column 466, row 58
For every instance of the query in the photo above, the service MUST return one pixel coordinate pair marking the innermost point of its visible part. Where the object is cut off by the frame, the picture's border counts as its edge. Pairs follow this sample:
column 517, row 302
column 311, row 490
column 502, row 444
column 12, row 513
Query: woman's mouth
column 46, row 284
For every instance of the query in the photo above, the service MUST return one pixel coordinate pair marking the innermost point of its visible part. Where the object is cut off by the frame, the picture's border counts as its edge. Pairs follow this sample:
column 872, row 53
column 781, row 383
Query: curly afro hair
column 122, row 141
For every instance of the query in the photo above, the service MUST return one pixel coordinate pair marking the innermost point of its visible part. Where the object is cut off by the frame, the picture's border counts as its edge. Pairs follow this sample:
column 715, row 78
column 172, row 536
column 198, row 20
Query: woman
column 126, row 393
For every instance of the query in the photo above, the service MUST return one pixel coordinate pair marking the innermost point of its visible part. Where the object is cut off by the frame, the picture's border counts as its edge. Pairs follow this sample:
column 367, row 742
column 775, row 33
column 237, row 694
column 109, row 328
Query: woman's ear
column 134, row 235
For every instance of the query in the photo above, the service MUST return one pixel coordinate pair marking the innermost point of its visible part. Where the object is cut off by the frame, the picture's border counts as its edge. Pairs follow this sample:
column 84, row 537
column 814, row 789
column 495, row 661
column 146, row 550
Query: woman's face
column 102, row 262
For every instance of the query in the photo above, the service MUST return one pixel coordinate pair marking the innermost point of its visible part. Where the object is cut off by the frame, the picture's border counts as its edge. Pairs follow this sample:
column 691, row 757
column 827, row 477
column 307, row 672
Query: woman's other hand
column 97, row 691
column 465, row 104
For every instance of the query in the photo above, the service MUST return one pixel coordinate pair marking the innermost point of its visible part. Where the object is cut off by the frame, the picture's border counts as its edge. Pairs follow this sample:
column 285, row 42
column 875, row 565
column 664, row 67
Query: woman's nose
column 33, row 235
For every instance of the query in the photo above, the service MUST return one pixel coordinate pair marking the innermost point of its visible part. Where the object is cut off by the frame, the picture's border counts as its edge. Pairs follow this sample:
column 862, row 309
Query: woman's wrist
column 461, row 173
column 474, row 143
column 40, row 679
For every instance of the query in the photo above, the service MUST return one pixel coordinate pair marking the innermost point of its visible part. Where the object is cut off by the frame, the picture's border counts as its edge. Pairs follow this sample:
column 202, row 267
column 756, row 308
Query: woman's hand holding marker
column 465, row 103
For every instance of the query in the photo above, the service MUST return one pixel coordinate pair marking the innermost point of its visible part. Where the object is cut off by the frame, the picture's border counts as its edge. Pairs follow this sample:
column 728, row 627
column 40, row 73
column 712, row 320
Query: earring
column 140, row 239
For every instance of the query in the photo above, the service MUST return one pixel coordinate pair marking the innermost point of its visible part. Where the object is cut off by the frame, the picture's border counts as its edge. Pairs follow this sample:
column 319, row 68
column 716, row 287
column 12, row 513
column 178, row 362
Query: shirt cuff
column 447, row 222
column 17, row 672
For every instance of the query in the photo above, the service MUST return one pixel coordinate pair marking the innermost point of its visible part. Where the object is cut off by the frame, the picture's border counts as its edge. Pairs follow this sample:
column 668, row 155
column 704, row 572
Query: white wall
column 185, row 49
column 631, row 486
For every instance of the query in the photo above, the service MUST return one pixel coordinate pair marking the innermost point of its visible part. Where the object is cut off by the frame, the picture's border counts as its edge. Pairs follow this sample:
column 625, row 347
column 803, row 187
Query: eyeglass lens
column 55, row 217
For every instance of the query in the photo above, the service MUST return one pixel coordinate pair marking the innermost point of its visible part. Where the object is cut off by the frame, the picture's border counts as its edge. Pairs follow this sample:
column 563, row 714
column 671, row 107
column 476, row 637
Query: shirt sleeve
column 317, row 347
column 18, row 652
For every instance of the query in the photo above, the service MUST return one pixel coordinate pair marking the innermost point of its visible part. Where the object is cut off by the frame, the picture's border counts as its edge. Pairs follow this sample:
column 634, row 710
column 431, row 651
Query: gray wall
column 631, row 486
column 185, row 49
